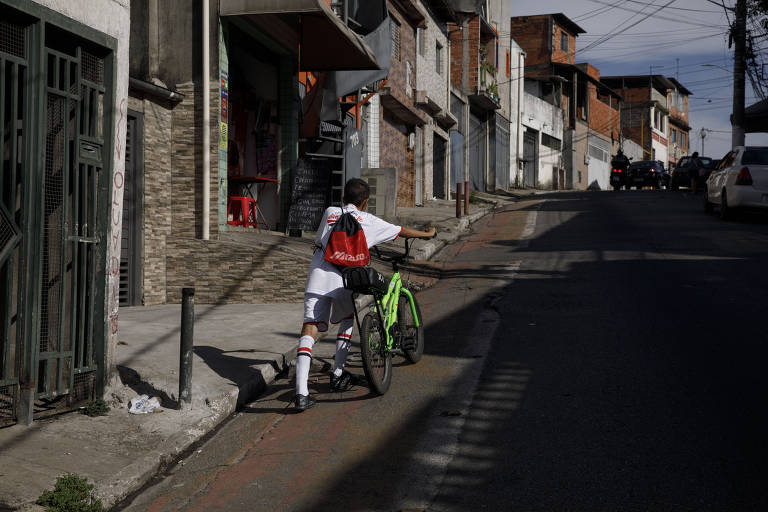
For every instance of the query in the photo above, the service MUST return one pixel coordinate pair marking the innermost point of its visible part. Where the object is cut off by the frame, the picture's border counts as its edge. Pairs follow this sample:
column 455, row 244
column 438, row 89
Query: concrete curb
column 134, row 476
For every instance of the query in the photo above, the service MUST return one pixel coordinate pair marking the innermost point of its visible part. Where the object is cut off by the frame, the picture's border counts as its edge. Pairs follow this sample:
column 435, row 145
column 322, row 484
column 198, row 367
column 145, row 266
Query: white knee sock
column 303, row 362
column 343, row 340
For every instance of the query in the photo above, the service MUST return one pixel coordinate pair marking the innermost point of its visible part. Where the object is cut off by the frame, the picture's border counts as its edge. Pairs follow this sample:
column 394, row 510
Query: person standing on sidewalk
column 326, row 299
column 694, row 167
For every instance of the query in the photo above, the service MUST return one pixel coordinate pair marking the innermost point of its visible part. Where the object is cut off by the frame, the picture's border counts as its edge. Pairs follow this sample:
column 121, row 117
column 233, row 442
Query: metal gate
column 531, row 158
column 52, row 105
column 13, row 76
column 66, row 369
column 477, row 148
column 502, row 152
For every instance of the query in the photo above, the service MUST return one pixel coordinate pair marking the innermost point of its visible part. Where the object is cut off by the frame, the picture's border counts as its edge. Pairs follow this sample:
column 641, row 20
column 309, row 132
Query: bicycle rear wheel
column 377, row 360
column 413, row 337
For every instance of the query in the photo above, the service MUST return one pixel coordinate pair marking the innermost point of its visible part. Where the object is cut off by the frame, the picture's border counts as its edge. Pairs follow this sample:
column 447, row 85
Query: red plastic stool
column 241, row 209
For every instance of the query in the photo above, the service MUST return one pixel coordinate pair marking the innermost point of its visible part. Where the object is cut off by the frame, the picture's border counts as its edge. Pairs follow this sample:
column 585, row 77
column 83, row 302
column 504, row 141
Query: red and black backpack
column 346, row 245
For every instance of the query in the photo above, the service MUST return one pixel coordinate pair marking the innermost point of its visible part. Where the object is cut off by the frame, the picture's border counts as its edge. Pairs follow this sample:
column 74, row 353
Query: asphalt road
column 585, row 351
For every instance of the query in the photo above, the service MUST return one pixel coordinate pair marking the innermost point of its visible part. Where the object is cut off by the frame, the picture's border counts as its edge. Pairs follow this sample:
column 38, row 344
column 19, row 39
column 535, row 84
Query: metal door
column 530, row 157
column 438, row 167
column 477, row 148
column 419, row 167
column 130, row 245
column 74, row 120
column 502, row 153
column 13, row 104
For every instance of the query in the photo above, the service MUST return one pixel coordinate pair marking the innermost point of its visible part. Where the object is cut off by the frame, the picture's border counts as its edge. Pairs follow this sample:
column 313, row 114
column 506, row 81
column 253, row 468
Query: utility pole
column 739, row 35
column 703, row 134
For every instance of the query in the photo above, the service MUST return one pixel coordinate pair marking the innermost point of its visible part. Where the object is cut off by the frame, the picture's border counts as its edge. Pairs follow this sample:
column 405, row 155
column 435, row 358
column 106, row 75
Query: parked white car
column 739, row 182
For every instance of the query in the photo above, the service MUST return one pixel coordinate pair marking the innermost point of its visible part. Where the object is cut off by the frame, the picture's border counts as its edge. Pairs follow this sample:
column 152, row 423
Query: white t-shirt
column 325, row 278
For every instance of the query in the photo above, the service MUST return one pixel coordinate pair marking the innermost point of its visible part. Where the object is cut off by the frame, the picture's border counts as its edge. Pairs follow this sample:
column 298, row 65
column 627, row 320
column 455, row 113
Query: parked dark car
column 681, row 174
column 647, row 173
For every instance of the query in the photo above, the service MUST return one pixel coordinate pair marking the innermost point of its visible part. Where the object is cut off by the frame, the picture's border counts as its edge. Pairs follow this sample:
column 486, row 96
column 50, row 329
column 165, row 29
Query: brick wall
column 603, row 119
column 457, row 54
column 470, row 35
column 533, row 35
column 635, row 94
column 394, row 153
column 394, row 150
column 473, row 58
column 567, row 55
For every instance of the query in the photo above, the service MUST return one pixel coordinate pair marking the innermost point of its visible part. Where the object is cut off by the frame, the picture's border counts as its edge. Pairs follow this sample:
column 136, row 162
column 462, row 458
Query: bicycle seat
column 365, row 280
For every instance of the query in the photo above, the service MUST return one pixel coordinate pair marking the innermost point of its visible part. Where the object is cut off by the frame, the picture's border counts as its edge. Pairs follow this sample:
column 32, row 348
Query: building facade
column 655, row 109
column 679, row 130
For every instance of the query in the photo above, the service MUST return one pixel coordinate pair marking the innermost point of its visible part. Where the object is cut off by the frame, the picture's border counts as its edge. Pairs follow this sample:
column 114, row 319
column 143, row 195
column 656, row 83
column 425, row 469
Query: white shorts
column 319, row 309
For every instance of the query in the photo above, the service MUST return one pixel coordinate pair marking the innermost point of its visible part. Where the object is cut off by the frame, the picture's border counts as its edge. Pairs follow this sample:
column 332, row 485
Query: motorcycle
column 619, row 167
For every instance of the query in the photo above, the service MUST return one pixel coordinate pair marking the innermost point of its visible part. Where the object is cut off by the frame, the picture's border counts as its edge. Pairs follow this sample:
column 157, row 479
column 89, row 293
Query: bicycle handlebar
column 398, row 258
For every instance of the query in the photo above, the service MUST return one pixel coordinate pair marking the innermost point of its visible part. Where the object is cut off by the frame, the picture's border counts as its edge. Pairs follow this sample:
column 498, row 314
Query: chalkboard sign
column 309, row 197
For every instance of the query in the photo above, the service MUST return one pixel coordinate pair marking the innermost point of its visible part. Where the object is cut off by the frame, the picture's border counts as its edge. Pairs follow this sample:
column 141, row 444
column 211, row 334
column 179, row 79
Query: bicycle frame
column 387, row 305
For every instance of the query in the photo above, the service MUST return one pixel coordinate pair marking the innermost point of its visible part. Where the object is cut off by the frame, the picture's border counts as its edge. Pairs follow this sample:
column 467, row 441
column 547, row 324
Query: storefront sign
column 309, row 197
column 223, row 141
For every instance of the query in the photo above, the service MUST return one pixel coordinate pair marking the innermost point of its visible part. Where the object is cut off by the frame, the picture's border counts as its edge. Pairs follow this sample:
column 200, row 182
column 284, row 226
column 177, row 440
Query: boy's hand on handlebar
column 416, row 233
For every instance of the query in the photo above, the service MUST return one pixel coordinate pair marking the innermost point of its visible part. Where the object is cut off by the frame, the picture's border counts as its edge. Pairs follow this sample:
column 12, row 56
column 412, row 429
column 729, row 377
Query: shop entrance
column 253, row 129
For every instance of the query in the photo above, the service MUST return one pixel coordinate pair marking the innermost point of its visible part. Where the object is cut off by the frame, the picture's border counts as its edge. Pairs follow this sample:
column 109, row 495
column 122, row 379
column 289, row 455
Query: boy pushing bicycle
column 326, row 299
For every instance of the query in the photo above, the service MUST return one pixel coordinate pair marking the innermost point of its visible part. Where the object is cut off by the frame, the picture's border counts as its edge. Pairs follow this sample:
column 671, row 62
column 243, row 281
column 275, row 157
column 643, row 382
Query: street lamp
column 703, row 134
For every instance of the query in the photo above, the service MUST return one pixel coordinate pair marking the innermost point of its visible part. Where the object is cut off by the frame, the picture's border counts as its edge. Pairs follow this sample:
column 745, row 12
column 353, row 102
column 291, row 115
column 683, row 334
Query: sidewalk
column 239, row 349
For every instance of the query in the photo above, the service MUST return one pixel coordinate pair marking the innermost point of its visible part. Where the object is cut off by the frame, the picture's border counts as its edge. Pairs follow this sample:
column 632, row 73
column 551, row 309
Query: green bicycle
column 393, row 326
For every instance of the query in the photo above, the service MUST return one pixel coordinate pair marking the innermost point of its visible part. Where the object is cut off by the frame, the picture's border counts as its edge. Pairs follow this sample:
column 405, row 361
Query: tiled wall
column 427, row 78
column 157, row 196
column 222, row 273
column 186, row 189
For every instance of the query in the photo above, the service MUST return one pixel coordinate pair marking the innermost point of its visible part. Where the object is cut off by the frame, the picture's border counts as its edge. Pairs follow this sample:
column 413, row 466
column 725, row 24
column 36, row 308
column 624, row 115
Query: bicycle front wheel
column 377, row 360
column 413, row 336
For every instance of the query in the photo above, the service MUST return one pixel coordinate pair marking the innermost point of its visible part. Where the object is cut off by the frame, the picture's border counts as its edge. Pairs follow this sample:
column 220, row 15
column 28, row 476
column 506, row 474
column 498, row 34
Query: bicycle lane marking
column 440, row 442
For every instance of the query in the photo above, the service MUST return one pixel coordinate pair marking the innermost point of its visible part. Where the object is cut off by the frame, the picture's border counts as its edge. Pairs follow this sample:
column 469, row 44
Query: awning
column 398, row 108
column 326, row 42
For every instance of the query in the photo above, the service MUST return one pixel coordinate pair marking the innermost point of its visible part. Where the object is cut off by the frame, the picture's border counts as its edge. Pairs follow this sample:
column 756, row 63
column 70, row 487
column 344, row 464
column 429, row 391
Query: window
column 683, row 137
column 673, row 135
column 422, row 35
column 550, row 142
column 439, row 58
column 564, row 41
column 395, row 31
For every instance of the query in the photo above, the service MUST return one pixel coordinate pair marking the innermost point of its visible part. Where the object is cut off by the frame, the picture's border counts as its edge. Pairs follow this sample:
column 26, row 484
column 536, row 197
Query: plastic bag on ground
column 143, row 404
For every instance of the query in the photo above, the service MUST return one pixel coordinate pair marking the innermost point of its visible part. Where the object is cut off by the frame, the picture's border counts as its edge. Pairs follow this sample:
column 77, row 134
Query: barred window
column 564, row 41
column 550, row 142
column 439, row 58
column 422, row 35
column 395, row 30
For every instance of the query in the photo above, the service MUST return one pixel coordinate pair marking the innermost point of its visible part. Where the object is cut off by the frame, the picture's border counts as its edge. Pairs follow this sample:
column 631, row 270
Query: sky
column 676, row 41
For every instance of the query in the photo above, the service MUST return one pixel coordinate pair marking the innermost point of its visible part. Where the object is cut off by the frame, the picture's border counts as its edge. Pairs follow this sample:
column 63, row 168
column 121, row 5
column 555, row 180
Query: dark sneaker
column 342, row 382
column 304, row 402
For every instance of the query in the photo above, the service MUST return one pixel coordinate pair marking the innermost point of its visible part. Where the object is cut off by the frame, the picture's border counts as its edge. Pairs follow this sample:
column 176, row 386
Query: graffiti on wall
column 118, row 182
